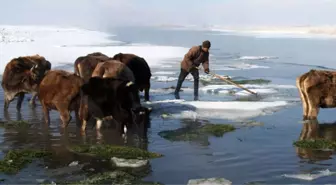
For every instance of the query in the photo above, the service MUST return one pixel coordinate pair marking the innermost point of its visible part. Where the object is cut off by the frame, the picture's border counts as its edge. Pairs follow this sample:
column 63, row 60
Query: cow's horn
column 32, row 67
column 129, row 84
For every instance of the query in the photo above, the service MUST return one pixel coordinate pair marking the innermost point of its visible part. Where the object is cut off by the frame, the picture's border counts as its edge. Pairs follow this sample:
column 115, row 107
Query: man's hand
column 207, row 71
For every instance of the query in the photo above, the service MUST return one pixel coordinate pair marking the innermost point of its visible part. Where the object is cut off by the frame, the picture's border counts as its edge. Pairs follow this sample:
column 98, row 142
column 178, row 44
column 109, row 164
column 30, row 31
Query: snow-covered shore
column 63, row 45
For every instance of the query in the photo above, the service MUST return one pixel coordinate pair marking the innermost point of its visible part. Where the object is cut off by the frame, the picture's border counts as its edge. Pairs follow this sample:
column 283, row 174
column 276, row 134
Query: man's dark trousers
column 183, row 74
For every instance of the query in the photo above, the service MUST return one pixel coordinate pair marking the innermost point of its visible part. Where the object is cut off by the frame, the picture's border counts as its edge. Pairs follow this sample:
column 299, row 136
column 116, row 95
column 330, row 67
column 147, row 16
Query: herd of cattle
column 101, row 88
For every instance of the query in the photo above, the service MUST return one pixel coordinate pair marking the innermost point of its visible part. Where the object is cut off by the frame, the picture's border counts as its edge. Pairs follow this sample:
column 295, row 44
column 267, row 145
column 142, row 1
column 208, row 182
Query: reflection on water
column 312, row 130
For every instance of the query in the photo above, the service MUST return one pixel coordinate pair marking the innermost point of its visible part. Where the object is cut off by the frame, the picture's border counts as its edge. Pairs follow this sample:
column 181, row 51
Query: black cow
column 140, row 69
column 107, row 99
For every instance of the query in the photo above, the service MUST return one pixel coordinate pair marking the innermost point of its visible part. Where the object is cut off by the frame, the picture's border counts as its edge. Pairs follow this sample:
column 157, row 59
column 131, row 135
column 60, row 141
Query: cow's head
column 42, row 66
column 118, row 56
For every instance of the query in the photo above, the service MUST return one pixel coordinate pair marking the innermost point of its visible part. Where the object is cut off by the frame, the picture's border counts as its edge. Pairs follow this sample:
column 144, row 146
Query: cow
column 60, row 90
column 140, row 69
column 317, row 89
column 115, row 69
column 22, row 75
column 107, row 99
column 84, row 65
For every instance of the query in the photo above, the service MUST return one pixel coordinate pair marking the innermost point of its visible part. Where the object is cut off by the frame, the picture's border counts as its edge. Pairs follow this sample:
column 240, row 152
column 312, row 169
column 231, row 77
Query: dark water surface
column 249, row 154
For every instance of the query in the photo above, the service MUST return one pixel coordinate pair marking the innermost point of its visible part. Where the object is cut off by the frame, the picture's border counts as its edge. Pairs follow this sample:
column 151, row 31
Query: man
column 196, row 55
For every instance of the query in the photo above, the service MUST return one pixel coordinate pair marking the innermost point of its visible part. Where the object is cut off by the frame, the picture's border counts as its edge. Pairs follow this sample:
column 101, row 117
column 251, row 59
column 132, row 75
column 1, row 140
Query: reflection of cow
column 59, row 90
column 106, row 99
column 312, row 130
column 140, row 69
column 317, row 90
column 23, row 75
column 85, row 65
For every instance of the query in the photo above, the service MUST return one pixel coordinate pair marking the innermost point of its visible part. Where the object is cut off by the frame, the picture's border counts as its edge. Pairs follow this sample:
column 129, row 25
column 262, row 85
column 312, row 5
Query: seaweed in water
column 108, row 151
column 115, row 177
column 15, row 160
column 316, row 144
column 189, row 134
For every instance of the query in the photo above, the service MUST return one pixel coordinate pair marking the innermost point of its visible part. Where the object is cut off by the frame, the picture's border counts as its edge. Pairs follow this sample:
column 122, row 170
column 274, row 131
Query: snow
column 62, row 46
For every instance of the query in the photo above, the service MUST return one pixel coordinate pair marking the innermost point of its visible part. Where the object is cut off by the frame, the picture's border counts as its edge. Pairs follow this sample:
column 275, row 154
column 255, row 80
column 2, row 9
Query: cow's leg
column 65, row 117
column 83, row 127
column 313, row 105
column 147, row 93
column 46, row 113
column 8, row 98
column 63, row 109
column 303, row 98
column 99, row 123
column 21, row 96
column 33, row 99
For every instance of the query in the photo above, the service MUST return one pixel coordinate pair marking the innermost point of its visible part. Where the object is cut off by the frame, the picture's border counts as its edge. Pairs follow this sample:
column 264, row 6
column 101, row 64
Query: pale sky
column 93, row 13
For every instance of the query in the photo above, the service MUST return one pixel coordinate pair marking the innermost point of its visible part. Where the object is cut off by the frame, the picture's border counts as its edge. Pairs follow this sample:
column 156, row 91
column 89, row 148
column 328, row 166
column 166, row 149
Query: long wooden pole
column 231, row 82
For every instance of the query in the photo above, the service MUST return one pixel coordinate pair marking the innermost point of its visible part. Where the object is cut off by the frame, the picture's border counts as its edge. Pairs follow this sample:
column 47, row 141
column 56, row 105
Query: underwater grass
column 15, row 124
column 15, row 160
column 108, row 151
column 115, row 177
column 316, row 144
column 189, row 134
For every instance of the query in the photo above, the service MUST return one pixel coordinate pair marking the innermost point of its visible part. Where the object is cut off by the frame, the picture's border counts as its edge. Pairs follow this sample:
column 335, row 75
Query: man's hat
column 206, row 44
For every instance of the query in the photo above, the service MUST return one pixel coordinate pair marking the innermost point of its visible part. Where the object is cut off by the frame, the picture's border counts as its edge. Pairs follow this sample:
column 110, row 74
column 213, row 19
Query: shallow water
column 249, row 154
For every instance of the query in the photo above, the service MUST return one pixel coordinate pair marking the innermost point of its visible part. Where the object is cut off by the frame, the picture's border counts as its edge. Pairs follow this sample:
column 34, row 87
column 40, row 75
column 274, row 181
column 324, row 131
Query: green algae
column 114, row 177
column 254, row 81
column 15, row 124
column 108, row 151
column 316, row 144
column 189, row 134
column 15, row 160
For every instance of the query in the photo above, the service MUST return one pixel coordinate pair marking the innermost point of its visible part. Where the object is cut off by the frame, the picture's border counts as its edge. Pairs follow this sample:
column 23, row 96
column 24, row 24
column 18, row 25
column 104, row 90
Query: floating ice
column 257, row 57
column 209, row 181
column 233, row 110
column 131, row 163
column 163, row 78
column 310, row 177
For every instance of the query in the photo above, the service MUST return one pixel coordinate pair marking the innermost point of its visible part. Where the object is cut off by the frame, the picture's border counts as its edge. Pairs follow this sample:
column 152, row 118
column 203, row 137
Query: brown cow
column 85, row 65
column 60, row 90
column 23, row 75
column 140, row 69
column 317, row 90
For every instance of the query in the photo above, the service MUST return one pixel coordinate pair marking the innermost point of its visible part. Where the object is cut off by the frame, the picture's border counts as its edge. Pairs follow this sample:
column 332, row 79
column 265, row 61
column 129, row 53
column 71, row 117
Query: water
column 249, row 154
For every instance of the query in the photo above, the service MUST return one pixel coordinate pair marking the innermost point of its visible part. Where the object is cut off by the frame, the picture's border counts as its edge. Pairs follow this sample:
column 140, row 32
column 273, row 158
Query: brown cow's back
column 113, row 69
column 85, row 65
column 23, row 75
